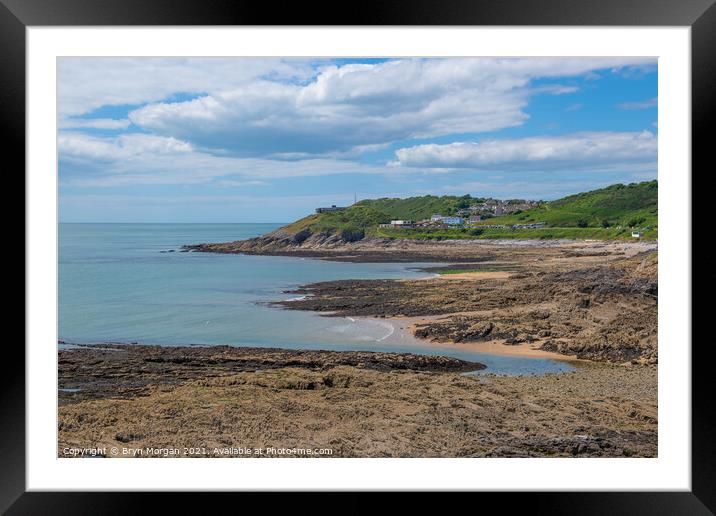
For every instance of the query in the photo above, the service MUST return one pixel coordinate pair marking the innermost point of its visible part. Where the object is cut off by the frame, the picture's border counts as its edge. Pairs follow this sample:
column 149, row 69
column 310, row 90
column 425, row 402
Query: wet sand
column 405, row 327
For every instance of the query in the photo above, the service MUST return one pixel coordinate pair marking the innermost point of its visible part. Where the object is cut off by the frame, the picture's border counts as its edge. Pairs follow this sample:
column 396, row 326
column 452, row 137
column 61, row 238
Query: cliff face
column 280, row 241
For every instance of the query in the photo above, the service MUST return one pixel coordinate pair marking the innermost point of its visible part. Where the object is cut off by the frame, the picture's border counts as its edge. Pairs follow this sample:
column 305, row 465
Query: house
column 329, row 209
column 436, row 218
column 499, row 210
column 475, row 218
column 453, row 221
column 511, row 208
column 401, row 222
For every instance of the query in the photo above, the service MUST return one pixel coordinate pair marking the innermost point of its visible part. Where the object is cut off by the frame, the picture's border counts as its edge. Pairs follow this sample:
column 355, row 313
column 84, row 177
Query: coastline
column 407, row 326
column 385, row 250
column 162, row 402
column 588, row 305
column 600, row 306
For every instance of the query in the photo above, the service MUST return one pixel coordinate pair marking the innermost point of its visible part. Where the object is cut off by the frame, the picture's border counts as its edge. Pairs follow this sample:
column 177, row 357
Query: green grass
column 626, row 205
column 419, row 208
column 525, row 234
column 425, row 233
column 588, row 215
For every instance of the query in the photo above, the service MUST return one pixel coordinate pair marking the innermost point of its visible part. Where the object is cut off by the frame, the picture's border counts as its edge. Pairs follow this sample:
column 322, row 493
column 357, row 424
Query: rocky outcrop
column 124, row 371
column 355, row 246
column 280, row 241
column 597, row 411
column 604, row 313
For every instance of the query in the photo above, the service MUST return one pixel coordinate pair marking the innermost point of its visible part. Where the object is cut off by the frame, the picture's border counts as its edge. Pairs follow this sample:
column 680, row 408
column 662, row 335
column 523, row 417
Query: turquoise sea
column 116, row 284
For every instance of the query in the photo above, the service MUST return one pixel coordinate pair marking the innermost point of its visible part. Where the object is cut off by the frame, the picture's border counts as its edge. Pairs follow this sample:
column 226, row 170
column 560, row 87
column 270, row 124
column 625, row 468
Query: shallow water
column 115, row 284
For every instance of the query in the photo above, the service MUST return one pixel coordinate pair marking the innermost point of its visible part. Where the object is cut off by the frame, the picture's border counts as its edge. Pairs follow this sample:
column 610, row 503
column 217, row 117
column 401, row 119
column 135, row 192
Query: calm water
column 116, row 284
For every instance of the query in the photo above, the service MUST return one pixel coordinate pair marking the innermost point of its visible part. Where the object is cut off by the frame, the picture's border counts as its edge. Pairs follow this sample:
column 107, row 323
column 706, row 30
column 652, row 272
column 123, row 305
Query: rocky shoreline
column 601, row 307
column 113, row 370
column 596, row 301
column 151, row 401
column 333, row 247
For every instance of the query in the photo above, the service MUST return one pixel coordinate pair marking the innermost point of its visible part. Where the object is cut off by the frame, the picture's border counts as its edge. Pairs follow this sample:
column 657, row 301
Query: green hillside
column 632, row 205
column 606, row 213
column 419, row 208
column 367, row 214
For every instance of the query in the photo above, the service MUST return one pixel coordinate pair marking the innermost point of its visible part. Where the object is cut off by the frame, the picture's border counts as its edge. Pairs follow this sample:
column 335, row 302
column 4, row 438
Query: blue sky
column 268, row 140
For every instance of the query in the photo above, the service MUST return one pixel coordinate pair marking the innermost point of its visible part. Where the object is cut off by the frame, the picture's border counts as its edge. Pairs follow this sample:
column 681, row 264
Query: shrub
column 352, row 234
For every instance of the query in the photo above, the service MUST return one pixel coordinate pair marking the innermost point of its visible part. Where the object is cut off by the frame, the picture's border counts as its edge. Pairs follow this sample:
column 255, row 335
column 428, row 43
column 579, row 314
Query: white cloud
column 133, row 159
column 354, row 105
column 123, row 147
column 88, row 83
column 137, row 158
column 646, row 104
column 587, row 150
column 260, row 119
column 94, row 123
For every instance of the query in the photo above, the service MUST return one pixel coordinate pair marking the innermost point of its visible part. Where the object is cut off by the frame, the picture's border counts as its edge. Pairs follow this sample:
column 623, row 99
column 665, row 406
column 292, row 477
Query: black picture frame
column 700, row 15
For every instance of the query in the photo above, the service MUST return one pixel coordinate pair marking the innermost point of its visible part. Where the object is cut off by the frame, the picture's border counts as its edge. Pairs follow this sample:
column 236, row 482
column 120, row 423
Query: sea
column 132, row 283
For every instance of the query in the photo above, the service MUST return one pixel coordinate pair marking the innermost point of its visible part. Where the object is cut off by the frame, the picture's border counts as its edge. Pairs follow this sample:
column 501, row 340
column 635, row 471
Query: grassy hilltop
column 607, row 213
column 633, row 205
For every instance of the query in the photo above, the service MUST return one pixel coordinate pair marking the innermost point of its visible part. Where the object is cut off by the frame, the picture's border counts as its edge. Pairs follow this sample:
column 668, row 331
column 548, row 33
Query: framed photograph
column 422, row 249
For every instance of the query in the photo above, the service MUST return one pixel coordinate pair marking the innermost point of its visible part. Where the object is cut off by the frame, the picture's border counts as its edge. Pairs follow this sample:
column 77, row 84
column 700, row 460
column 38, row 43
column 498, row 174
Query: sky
column 269, row 140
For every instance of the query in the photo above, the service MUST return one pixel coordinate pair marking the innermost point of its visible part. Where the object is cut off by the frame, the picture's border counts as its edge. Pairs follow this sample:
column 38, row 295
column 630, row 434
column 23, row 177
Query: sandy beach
column 406, row 326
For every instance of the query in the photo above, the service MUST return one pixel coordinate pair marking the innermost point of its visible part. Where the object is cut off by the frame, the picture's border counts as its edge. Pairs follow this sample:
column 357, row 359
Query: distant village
column 470, row 216
column 465, row 217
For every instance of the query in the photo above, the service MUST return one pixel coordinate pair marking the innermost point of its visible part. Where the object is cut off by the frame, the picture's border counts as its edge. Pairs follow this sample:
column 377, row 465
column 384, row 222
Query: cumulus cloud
column 244, row 122
column 88, row 83
column 123, row 147
column 139, row 158
column 592, row 150
column 354, row 105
